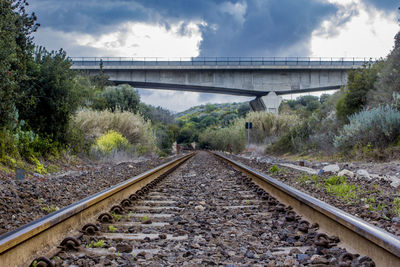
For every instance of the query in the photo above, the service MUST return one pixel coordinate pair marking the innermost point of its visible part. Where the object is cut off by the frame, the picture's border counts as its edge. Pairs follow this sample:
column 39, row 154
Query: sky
column 191, row 28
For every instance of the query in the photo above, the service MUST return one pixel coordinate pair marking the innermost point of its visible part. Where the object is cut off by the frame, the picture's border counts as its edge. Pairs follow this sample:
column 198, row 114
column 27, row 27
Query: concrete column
column 268, row 103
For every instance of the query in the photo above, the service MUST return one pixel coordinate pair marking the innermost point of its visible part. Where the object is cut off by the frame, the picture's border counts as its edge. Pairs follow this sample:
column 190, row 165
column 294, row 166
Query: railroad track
column 207, row 212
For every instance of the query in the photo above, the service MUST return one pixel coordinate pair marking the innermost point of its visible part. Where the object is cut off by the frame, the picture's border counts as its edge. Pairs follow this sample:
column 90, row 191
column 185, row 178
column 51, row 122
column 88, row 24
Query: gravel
column 374, row 203
column 32, row 198
column 210, row 215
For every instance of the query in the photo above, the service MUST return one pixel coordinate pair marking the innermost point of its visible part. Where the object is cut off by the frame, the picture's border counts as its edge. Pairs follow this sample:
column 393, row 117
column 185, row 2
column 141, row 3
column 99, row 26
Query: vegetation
column 112, row 228
column 98, row 244
column 267, row 127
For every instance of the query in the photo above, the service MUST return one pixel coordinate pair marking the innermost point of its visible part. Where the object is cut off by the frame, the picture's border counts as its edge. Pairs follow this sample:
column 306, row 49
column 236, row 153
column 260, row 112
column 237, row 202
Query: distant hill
column 212, row 114
column 241, row 108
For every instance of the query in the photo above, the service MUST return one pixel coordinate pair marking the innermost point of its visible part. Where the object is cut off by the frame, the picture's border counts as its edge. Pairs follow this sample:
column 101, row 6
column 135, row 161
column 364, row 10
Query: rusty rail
column 355, row 234
column 21, row 246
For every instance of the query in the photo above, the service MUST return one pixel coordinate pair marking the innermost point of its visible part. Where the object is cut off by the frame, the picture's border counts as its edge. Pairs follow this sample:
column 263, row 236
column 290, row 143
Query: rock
column 363, row 174
column 289, row 261
column 396, row 219
column 346, row 173
column 202, row 203
column 38, row 175
column 318, row 259
column 395, row 183
column 249, row 254
column 124, row 248
column 199, row 207
column 333, row 168
column 148, row 256
column 302, row 257
column 162, row 236
column 112, row 249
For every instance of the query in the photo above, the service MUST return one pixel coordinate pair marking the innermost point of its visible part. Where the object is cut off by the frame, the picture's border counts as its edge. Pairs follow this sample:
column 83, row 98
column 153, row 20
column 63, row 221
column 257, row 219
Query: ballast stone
column 346, row 173
column 363, row 174
column 334, row 168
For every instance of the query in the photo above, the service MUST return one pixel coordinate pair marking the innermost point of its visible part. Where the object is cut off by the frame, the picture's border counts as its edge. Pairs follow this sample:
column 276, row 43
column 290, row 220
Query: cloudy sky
column 190, row 28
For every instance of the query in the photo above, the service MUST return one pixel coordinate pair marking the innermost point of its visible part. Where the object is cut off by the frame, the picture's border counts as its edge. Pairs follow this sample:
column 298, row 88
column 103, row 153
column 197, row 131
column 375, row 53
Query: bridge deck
column 214, row 63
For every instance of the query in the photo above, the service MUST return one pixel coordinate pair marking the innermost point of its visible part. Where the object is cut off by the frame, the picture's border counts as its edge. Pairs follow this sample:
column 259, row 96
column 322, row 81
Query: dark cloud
column 386, row 5
column 232, row 27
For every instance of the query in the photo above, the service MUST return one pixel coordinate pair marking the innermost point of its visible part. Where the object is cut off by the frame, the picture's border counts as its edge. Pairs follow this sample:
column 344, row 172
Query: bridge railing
column 219, row 61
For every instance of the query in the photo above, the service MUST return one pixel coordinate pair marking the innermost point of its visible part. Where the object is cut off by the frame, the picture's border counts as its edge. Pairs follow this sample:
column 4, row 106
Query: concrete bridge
column 261, row 77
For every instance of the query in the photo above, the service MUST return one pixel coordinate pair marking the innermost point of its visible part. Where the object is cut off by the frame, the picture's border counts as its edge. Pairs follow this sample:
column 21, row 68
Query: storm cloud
column 228, row 28
column 386, row 5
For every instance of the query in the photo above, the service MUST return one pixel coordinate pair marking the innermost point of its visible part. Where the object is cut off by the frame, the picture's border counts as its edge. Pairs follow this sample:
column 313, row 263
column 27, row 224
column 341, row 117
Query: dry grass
column 132, row 126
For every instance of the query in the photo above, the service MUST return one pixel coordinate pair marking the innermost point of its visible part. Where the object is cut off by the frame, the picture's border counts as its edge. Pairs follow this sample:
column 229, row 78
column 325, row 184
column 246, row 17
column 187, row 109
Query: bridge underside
column 267, row 83
column 221, row 90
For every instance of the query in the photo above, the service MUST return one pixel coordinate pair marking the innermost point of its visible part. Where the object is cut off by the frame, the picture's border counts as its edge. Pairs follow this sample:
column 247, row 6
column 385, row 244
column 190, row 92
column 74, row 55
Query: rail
column 19, row 247
column 219, row 61
column 358, row 235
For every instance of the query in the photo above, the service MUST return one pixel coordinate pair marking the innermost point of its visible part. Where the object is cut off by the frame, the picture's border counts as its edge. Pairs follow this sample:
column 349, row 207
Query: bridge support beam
column 268, row 103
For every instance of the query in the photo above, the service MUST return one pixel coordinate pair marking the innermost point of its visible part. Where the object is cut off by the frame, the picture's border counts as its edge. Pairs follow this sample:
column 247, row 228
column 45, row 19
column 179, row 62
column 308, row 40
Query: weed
column 34, row 263
column 335, row 180
column 274, row 169
column 145, row 218
column 130, row 214
column 117, row 217
column 112, row 228
column 396, row 205
column 98, row 244
column 303, row 179
column 344, row 190
column 247, row 202
column 40, row 201
column 50, row 209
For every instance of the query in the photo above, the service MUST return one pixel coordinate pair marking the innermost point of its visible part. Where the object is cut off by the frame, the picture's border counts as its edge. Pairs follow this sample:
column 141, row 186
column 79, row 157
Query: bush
column 111, row 142
column 377, row 127
column 121, row 97
column 93, row 124
column 227, row 139
column 267, row 127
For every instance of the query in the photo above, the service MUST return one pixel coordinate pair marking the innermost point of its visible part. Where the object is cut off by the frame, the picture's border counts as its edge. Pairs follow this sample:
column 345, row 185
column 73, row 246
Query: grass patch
column 117, row 217
column 50, row 209
column 112, row 228
column 396, row 206
column 274, row 169
column 98, row 244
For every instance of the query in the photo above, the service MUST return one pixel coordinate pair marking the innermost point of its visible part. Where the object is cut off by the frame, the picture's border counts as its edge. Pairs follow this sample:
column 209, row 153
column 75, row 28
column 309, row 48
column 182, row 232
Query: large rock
column 363, row 174
column 346, row 173
column 333, row 168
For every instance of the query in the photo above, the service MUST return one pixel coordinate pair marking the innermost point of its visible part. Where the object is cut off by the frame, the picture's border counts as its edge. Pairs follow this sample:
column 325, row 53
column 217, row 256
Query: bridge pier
column 268, row 103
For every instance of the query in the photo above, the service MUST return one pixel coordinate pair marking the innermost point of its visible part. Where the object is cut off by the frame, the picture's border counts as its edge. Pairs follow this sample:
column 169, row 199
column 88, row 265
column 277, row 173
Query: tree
column 53, row 94
column 121, row 97
column 15, row 51
column 388, row 79
column 360, row 83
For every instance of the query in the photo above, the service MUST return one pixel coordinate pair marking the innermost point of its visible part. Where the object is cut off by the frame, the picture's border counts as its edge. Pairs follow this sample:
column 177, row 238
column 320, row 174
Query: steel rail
column 355, row 234
column 21, row 246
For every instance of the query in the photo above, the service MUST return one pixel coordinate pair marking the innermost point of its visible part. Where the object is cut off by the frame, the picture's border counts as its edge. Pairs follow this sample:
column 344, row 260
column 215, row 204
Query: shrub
column 267, row 127
column 378, row 127
column 111, row 142
column 133, row 127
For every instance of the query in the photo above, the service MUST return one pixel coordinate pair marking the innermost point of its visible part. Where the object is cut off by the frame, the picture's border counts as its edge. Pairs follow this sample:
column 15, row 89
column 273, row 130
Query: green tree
column 360, row 83
column 15, row 50
column 388, row 81
column 53, row 94
column 121, row 97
